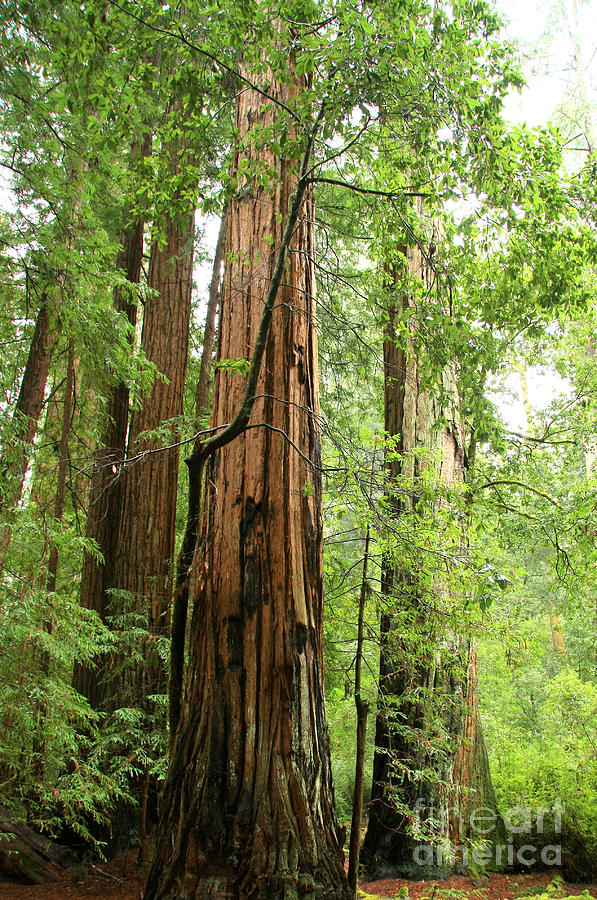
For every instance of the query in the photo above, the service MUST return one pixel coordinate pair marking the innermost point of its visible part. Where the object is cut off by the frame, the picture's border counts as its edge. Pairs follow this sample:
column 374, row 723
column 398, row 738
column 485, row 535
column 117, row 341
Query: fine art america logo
column 482, row 825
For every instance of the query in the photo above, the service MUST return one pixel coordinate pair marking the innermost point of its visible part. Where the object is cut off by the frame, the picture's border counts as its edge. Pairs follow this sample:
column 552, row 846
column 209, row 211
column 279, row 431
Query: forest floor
column 120, row 879
column 487, row 887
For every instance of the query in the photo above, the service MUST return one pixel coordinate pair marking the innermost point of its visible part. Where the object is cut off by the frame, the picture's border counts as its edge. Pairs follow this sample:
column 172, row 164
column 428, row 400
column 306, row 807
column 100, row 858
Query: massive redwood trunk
column 248, row 804
column 430, row 766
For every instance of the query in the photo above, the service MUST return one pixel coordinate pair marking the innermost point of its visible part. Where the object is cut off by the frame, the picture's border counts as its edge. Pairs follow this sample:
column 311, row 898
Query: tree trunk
column 248, row 805
column 362, row 710
column 146, row 534
column 180, row 600
column 26, row 856
column 63, row 463
column 426, row 672
column 202, row 394
column 53, row 556
column 26, row 418
column 105, row 496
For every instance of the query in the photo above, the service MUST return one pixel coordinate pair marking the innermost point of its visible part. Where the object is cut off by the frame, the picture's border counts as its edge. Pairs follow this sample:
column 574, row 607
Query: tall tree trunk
column 53, row 556
column 362, row 710
column 31, row 395
column 26, row 418
column 426, row 670
column 180, row 600
column 141, row 567
column 63, row 464
column 202, row 394
column 248, row 804
column 105, row 495
column 146, row 534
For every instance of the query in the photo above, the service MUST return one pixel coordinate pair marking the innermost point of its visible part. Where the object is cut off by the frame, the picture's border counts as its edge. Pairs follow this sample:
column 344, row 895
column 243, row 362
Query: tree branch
column 391, row 195
column 522, row 484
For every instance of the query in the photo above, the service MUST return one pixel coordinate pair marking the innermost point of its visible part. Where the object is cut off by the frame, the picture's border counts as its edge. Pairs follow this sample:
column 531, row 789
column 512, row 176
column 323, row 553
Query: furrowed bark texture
column 248, row 804
column 195, row 463
column 433, row 677
column 146, row 534
column 105, row 496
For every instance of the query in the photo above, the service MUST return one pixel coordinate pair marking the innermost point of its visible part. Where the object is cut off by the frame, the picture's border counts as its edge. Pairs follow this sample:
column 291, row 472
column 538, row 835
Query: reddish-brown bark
column 146, row 532
column 248, row 805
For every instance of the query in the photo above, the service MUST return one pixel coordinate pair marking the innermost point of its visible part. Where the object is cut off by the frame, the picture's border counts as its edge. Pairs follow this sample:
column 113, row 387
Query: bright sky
column 549, row 72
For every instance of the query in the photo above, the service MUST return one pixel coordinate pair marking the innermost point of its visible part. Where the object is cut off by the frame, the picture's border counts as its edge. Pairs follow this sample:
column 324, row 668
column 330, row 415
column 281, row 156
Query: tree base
column 222, row 879
column 216, row 887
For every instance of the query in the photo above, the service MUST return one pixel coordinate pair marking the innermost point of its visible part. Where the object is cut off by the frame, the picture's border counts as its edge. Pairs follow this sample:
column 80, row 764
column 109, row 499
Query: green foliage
column 52, row 770
column 238, row 366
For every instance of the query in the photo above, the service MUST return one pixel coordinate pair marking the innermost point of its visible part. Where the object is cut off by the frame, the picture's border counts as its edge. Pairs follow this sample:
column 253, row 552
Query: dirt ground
column 490, row 887
column 120, row 879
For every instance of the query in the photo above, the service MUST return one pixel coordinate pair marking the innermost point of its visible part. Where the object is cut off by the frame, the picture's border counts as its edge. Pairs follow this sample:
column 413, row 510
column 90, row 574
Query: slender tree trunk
column 26, row 418
column 362, row 709
column 52, row 570
column 202, row 395
column 63, row 464
column 180, row 602
column 248, row 805
column 105, row 496
column 425, row 667
column 31, row 395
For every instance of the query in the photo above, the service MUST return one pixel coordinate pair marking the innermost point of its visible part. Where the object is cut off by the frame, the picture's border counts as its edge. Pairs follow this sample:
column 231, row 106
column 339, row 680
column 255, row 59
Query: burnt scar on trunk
column 252, row 589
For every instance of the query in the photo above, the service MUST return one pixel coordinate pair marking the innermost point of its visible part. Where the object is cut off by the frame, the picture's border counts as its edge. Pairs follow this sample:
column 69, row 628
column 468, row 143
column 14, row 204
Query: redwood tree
column 105, row 494
column 146, row 534
column 430, row 765
column 248, row 804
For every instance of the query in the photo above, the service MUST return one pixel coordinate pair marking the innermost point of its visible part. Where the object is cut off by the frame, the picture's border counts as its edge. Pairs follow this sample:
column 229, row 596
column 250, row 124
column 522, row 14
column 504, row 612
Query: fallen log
column 27, row 856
